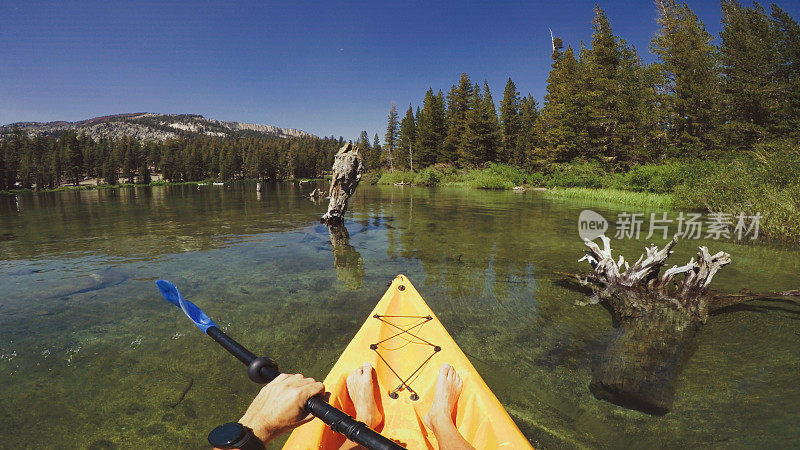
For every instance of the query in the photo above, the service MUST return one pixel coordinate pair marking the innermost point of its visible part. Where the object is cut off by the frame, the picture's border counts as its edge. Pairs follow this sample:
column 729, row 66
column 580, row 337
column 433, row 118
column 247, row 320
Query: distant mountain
column 151, row 127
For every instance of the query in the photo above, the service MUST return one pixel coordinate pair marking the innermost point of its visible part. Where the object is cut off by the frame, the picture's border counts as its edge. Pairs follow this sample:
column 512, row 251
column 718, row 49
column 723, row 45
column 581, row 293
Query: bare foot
column 359, row 386
column 448, row 389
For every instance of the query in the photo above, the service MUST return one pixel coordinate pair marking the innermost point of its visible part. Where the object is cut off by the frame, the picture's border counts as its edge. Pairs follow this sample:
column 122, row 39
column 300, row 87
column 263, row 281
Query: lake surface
column 91, row 356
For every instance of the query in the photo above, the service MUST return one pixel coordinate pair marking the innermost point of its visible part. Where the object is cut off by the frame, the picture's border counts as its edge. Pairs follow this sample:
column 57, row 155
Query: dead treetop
column 348, row 167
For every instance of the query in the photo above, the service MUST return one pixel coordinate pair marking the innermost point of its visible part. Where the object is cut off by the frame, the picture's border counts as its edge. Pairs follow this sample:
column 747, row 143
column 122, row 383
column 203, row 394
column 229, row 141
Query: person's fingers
column 279, row 379
column 309, row 390
column 306, row 419
column 300, row 381
column 294, row 380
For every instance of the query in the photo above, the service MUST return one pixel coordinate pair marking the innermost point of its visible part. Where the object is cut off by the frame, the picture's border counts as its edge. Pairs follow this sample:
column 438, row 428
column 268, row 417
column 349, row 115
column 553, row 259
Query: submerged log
column 657, row 320
column 348, row 167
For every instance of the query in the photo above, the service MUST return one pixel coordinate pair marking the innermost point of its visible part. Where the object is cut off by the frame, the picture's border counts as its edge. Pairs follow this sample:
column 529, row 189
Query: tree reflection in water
column 346, row 259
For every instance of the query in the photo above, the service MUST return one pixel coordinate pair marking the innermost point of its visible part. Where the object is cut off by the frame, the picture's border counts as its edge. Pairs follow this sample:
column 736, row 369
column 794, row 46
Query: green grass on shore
column 763, row 181
column 614, row 196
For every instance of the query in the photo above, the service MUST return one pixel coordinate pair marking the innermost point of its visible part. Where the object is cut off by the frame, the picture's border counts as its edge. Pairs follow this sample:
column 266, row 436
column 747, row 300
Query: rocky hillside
column 150, row 127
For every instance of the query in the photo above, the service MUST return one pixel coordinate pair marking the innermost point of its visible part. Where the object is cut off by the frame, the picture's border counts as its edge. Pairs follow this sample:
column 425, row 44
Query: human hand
column 280, row 406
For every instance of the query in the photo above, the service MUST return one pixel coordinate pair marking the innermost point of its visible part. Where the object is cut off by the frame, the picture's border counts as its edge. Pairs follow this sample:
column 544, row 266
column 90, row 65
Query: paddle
column 263, row 370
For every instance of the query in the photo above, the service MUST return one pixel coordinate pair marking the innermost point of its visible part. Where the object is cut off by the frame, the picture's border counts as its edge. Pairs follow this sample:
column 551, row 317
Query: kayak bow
column 406, row 344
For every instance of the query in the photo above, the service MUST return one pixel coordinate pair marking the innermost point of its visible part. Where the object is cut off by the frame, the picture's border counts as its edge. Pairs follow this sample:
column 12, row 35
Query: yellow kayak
column 406, row 344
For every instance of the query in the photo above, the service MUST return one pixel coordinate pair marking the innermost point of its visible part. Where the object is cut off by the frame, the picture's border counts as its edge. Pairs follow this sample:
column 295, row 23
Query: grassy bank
column 495, row 176
column 615, row 196
column 764, row 181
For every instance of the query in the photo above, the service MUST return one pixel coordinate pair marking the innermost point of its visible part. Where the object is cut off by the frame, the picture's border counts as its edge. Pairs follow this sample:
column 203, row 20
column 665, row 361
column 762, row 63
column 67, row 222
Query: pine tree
column 459, row 103
column 27, row 170
column 689, row 63
column 601, row 87
column 111, row 170
column 407, row 140
column 363, row 141
column 529, row 152
column 431, row 130
column 390, row 141
column 564, row 113
column 750, row 64
column 788, row 75
column 367, row 152
column 74, row 158
column 510, row 123
column 482, row 131
column 56, row 163
column 639, row 116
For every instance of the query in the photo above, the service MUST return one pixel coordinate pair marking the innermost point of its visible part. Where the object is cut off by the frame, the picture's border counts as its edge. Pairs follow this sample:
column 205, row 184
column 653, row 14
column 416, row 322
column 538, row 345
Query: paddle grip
column 354, row 430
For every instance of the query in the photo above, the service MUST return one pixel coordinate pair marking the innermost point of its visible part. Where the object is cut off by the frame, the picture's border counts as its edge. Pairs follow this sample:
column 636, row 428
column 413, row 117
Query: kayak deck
column 406, row 345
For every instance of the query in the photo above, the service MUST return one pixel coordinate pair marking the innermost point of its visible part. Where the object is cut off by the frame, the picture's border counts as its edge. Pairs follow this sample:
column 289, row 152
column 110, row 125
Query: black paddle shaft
column 263, row 370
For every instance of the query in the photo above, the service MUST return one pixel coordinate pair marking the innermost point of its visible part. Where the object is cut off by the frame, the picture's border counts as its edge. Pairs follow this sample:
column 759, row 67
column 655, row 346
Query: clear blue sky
column 329, row 68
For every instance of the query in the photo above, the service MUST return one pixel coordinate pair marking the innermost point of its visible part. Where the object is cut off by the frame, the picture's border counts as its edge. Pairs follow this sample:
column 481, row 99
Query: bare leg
column 359, row 387
column 440, row 417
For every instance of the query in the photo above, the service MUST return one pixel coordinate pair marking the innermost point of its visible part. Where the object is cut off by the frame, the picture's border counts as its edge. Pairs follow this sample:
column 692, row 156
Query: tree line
column 699, row 100
column 46, row 162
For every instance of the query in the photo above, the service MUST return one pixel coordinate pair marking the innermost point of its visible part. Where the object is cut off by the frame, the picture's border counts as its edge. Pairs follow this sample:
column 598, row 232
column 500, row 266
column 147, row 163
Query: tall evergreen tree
column 529, row 152
column 601, row 87
column 459, row 103
column 639, row 116
column 363, row 140
column 431, row 129
column 367, row 152
column 788, row 76
column 111, row 170
column 689, row 61
column 407, row 140
column 390, row 141
column 74, row 158
column 482, row 130
column 510, row 122
column 374, row 160
column 750, row 65
column 563, row 115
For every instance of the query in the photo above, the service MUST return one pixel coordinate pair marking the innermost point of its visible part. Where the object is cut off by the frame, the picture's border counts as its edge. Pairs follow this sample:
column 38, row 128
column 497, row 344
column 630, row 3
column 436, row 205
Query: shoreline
column 94, row 187
column 771, row 227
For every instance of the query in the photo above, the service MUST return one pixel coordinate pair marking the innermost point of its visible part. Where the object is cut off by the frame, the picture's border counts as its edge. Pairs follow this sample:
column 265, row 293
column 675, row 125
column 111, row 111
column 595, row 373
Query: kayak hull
column 406, row 345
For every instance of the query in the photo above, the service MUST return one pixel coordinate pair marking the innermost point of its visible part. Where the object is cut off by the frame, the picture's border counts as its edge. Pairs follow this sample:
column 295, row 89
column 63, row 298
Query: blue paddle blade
column 195, row 314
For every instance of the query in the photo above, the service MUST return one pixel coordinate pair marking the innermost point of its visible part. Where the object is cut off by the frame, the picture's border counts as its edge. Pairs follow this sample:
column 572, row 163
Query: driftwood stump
column 657, row 320
column 348, row 167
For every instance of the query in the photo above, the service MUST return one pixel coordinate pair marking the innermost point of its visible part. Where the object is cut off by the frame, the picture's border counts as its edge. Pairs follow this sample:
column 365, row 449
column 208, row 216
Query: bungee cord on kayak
column 449, row 407
column 405, row 383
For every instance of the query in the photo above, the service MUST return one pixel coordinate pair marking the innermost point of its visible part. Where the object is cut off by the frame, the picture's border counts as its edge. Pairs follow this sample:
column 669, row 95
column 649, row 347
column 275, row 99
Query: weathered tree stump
column 348, row 167
column 657, row 320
